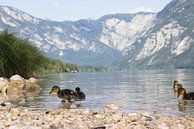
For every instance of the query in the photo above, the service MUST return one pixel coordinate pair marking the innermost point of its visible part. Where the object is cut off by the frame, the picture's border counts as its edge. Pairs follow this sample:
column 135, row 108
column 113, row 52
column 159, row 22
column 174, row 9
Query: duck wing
column 190, row 96
column 80, row 96
column 67, row 92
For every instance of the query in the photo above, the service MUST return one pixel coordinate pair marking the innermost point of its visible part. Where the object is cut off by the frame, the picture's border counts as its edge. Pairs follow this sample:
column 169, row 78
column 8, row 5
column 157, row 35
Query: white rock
column 162, row 126
column 17, row 78
column 112, row 107
column 3, row 83
column 34, row 80
column 15, row 111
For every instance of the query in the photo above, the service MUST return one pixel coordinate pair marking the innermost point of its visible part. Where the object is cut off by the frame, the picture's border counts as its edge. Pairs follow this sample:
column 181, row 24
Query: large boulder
column 17, row 84
column 3, row 83
column 17, row 78
column 14, row 87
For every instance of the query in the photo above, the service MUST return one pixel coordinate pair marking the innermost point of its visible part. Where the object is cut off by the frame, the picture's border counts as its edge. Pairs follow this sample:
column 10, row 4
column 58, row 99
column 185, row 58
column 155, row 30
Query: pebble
column 20, row 117
column 15, row 111
column 3, row 104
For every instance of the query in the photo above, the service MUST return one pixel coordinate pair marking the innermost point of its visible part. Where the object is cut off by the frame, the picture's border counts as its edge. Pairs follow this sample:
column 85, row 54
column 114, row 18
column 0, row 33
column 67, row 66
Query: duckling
column 182, row 93
column 177, row 85
column 79, row 95
column 65, row 94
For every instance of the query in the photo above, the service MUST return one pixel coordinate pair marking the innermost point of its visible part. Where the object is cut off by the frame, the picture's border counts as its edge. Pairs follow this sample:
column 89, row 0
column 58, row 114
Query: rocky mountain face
column 169, row 43
column 140, row 40
column 84, row 42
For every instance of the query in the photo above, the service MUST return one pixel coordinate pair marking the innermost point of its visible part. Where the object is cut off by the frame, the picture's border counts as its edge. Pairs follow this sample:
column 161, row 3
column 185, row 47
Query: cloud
column 140, row 9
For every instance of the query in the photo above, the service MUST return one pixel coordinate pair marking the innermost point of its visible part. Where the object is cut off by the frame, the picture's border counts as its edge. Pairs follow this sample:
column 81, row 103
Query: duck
column 177, row 85
column 65, row 94
column 183, row 95
column 79, row 95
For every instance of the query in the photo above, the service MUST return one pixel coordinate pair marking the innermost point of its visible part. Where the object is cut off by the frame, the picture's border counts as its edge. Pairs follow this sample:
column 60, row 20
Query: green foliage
column 93, row 69
column 17, row 56
column 56, row 66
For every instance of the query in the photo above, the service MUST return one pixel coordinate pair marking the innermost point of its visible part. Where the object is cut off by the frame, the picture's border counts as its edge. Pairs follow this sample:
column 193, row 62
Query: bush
column 18, row 56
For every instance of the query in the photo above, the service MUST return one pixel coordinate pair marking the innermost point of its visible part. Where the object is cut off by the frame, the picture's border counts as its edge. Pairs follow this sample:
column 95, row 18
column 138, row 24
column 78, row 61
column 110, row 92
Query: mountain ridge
column 124, row 41
column 80, row 42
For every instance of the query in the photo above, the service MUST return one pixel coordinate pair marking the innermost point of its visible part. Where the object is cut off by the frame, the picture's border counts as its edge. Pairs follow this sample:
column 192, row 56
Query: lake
column 135, row 91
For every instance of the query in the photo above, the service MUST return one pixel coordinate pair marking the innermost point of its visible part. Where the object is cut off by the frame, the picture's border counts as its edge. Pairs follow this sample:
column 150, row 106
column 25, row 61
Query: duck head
column 77, row 89
column 55, row 89
column 175, row 82
column 181, row 92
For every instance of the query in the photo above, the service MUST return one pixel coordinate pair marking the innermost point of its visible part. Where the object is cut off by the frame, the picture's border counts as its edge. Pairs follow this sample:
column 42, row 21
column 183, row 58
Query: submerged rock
column 112, row 107
column 31, row 86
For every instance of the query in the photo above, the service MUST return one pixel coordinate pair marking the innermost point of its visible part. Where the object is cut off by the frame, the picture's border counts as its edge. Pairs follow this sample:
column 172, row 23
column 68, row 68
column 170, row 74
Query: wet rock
column 100, row 127
column 31, row 86
column 149, row 118
column 73, row 106
column 112, row 107
column 3, row 104
column 47, row 112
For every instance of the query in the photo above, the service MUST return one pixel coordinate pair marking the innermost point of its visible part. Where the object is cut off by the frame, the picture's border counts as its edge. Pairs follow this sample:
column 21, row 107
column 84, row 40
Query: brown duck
column 65, row 94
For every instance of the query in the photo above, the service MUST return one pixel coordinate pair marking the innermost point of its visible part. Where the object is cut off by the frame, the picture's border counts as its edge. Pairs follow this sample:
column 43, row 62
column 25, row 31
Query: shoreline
column 109, row 117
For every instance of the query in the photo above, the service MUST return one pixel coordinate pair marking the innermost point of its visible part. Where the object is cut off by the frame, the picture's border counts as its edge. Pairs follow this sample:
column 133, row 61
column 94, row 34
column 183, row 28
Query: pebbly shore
column 109, row 117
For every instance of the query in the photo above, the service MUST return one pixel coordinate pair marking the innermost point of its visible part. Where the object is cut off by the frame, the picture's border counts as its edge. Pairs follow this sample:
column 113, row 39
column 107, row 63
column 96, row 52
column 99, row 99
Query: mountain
column 124, row 41
column 169, row 43
column 84, row 42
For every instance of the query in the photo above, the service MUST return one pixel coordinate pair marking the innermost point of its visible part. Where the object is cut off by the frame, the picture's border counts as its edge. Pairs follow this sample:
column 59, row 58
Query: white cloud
column 140, row 9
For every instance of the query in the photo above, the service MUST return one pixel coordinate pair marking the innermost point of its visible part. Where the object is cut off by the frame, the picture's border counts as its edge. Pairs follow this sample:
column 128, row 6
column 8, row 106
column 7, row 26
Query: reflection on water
column 183, row 104
column 136, row 91
column 22, row 98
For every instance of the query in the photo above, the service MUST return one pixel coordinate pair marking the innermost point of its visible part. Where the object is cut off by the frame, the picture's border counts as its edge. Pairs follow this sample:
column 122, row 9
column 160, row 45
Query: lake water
column 136, row 91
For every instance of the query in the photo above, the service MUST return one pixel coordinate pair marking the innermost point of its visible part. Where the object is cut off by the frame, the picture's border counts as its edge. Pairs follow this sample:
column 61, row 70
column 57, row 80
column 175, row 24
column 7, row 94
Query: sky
column 62, row 10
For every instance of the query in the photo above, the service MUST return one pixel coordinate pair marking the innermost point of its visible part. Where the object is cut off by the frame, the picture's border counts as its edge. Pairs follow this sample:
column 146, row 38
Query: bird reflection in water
column 18, row 99
column 71, row 105
column 182, row 105
column 185, row 105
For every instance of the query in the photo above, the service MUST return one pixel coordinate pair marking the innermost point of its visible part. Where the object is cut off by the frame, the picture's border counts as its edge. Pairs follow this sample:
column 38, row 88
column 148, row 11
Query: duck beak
column 178, row 95
column 50, row 92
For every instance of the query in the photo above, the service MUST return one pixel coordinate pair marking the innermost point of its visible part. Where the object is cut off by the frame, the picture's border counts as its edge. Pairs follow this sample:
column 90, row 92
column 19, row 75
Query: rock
column 31, row 86
column 3, row 104
column 162, row 126
column 117, row 116
column 100, row 127
column 15, row 111
column 15, row 87
column 17, row 78
column 112, row 107
column 73, row 106
column 148, row 118
column 3, row 83
column 34, row 80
